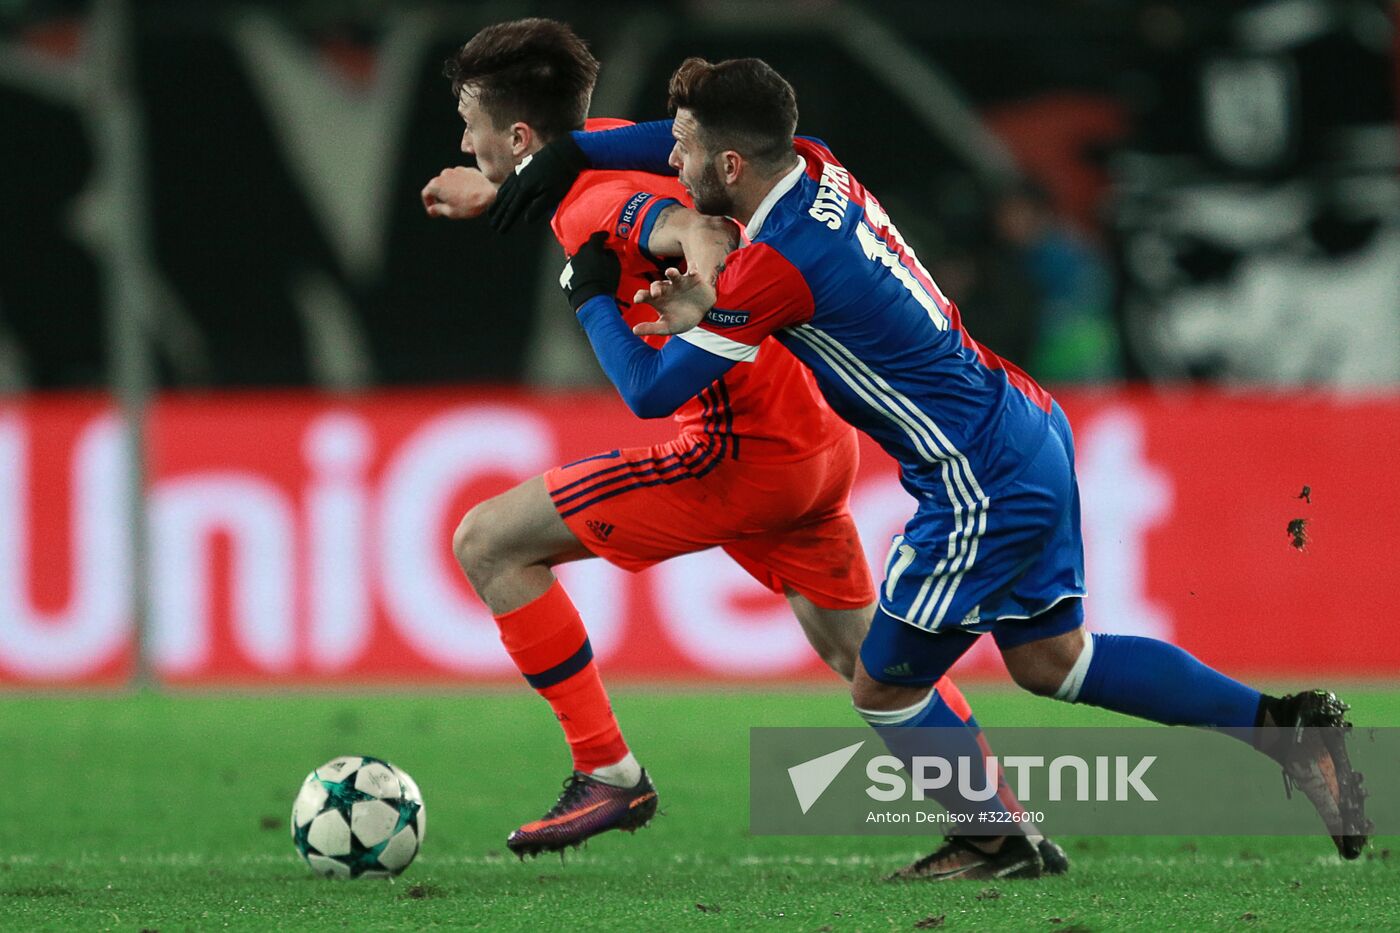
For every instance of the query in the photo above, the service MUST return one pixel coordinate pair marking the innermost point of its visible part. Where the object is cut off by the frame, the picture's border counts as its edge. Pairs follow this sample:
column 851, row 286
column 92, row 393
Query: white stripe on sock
column 893, row 717
column 1074, row 681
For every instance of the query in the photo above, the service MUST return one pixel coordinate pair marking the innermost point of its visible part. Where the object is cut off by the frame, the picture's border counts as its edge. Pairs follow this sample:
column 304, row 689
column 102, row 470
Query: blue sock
column 1154, row 680
column 955, row 739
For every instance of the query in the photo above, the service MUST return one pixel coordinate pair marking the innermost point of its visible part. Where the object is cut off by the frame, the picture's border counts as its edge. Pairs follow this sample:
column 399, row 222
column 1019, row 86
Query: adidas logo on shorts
column 601, row 529
column 899, row 670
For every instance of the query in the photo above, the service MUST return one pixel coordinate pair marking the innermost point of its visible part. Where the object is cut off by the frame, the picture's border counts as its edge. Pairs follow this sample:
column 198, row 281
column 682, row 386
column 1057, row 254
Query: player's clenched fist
column 592, row 271
column 458, row 193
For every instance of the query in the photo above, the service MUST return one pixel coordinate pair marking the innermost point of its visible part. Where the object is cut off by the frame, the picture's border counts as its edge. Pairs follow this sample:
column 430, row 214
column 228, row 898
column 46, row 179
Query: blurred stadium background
column 249, row 388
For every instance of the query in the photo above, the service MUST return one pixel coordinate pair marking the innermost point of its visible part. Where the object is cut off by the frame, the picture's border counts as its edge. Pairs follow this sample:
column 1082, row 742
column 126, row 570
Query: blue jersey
column 983, row 448
column 833, row 280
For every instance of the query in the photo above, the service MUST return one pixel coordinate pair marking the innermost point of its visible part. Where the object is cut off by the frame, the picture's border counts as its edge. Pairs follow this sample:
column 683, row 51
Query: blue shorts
column 896, row 653
column 1018, row 553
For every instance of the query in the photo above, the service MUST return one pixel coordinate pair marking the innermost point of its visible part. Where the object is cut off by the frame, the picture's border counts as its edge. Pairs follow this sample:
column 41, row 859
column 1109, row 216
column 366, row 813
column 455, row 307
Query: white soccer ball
column 358, row 817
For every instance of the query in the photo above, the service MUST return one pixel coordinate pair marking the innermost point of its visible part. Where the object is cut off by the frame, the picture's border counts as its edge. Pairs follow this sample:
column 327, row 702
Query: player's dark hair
column 740, row 104
column 535, row 71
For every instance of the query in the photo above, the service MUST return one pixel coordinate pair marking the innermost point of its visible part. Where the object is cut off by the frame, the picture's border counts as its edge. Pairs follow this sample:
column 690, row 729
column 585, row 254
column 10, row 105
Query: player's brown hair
column 535, row 71
column 740, row 104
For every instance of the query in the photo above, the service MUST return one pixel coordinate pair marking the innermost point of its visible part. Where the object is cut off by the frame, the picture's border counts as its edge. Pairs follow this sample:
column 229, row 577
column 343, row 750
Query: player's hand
column 539, row 184
column 681, row 299
column 458, row 193
column 592, row 271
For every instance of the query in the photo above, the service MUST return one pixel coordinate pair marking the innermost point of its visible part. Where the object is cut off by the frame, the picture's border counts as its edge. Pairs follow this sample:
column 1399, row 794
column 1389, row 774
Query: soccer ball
column 358, row 817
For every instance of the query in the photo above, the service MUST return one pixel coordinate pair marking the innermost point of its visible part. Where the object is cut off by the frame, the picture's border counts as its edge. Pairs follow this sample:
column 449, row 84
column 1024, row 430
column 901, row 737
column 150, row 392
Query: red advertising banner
column 299, row 539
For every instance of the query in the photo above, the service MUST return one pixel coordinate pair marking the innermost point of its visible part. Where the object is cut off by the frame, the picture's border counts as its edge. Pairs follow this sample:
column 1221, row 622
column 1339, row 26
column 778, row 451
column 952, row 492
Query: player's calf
column 507, row 546
column 834, row 634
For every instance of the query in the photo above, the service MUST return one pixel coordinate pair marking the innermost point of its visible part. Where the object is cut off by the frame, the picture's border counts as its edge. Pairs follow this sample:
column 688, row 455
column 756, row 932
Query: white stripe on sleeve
column 719, row 345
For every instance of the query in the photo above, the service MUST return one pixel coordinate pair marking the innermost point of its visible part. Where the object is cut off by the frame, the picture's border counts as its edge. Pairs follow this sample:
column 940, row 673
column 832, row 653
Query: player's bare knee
column 1038, row 680
column 1042, row 667
column 869, row 694
column 475, row 545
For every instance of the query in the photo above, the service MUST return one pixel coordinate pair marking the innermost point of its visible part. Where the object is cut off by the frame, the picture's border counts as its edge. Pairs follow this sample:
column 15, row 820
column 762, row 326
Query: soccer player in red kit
column 760, row 467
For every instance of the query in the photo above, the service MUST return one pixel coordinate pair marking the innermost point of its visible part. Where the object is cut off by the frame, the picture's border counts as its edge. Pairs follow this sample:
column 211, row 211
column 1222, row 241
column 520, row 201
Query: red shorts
column 788, row 524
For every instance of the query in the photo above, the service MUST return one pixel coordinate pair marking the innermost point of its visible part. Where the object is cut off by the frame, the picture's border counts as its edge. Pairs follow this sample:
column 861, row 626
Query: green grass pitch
column 169, row 812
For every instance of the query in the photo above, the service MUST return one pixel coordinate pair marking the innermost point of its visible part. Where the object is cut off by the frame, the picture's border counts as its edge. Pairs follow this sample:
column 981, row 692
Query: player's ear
column 731, row 166
column 521, row 139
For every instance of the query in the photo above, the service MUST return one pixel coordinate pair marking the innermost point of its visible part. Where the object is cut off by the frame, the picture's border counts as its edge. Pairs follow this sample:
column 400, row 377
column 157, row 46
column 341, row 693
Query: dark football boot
column 960, row 860
column 1315, row 761
column 586, row 808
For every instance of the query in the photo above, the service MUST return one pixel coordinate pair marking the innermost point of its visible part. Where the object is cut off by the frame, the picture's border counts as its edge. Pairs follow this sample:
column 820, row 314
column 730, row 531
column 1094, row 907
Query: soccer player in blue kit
column 994, row 545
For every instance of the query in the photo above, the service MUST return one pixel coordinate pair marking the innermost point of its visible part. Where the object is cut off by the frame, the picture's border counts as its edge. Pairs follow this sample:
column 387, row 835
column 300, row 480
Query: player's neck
column 748, row 199
column 537, row 142
column 534, row 147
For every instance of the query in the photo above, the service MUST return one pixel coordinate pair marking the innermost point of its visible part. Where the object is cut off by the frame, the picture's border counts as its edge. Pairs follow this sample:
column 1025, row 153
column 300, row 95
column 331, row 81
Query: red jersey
column 766, row 409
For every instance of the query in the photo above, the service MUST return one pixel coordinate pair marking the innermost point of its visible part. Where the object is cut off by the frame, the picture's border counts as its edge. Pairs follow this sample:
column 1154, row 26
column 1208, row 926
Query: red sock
column 549, row 645
column 953, row 697
column 959, row 705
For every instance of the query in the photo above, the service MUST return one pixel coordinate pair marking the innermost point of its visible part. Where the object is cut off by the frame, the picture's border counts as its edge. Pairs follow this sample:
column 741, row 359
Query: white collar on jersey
column 784, row 185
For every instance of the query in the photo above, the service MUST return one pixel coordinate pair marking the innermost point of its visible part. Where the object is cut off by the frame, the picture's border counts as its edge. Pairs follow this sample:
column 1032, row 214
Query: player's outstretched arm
column 542, row 179
column 653, row 383
column 458, row 193
column 641, row 147
column 703, row 241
